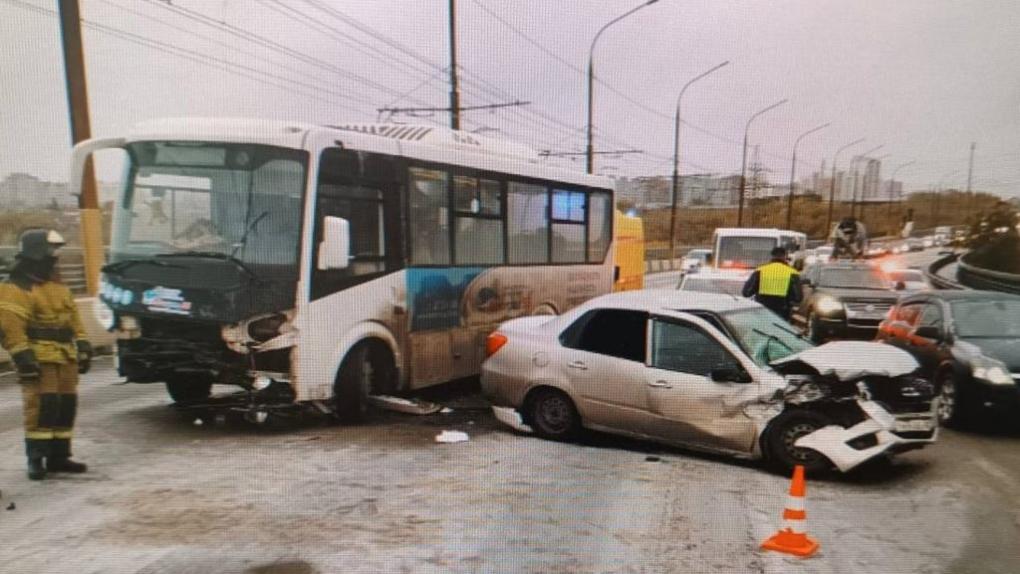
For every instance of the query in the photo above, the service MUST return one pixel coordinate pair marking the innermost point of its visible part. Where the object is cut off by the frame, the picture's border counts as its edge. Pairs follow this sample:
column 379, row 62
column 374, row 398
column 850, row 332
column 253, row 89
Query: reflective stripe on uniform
column 63, row 434
column 19, row 311
column 774, row 279
column 39, row 434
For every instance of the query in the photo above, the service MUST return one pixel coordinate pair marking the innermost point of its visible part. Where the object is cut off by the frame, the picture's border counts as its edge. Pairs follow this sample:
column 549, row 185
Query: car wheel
column 785, row 430
column 553, row 415
column 187, row 391
column 951, row 408
column 367, row 369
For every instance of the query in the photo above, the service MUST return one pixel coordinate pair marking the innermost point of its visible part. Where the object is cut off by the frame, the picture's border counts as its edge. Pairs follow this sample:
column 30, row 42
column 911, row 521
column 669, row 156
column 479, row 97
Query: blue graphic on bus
column 434, row 295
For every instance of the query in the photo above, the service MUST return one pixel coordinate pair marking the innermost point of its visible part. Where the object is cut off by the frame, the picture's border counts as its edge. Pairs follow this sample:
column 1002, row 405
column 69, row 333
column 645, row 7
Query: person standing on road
column 41, row 329
column 776, row 285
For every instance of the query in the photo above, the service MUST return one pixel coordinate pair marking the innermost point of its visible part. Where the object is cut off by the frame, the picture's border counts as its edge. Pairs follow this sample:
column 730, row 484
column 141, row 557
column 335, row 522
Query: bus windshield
column 239, row 200
column 744, row 252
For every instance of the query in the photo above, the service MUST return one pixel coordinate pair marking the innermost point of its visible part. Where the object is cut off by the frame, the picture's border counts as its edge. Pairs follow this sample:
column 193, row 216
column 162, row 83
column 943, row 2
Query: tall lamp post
column 591, row 78
column 743, row 162
column 832, row 182
column 863, row 204
column 892, row 181
column 676, row 158
column 793, row 172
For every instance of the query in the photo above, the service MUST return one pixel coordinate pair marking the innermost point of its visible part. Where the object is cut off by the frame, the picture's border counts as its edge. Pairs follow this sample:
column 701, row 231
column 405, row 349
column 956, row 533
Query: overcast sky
column 924, row 78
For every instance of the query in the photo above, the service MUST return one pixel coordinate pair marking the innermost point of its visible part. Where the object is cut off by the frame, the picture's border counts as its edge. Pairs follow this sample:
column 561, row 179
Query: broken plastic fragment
column 402, row 405
column 450, row 437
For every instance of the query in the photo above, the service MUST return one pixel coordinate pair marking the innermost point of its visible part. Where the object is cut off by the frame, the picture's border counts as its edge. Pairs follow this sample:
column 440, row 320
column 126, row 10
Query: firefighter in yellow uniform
column 41, row 329
column 776, row 285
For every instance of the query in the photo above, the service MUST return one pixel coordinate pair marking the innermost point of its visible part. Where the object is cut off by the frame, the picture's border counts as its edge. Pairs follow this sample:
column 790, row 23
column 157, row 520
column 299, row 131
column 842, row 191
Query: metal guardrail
column 932, row 272
column 980, row 278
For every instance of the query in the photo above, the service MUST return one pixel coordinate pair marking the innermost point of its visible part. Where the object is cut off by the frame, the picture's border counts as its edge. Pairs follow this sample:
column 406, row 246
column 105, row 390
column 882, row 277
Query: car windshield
column 237, row 200
column 764, row 336
column 712, row 285
column 746, row 252
column 701, row 254
column 863, row 278
column 987, row 318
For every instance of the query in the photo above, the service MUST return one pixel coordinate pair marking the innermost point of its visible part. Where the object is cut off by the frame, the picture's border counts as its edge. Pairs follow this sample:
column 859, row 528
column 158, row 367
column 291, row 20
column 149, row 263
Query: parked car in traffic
column 914, row 244
column 967, row 342
column 709, row 372
column 912, row 279
column 694, row 259
column 707, row 280
column 844, row 300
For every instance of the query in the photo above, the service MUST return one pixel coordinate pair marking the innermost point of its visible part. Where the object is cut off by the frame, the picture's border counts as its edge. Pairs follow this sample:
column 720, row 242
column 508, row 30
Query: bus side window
column 599, row 225
column 528, row 223
column 568, row 230
column 429, row 217
column 478, row 238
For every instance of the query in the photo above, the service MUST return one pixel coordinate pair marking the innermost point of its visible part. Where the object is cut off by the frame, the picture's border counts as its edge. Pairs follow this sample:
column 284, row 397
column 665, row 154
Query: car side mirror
column 335, row 247
column 729, row 375
column 900, row 285
column 929, row 332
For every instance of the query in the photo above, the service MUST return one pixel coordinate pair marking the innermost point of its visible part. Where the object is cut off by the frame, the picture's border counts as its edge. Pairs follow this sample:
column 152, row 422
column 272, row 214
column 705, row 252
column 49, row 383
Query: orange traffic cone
column 793, row 538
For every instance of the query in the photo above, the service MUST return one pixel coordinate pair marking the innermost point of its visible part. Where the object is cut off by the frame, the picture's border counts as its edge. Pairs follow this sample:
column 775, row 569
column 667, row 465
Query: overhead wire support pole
column 591, row 79
column 676, row 158
column 81, row 129
column 832, row 183
column 793, row 171
column 454, row 88
column 743, row 162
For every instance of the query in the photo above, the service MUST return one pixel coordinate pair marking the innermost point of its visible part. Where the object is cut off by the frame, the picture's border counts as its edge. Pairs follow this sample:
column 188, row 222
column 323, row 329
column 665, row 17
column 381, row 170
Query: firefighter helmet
column 39, row 244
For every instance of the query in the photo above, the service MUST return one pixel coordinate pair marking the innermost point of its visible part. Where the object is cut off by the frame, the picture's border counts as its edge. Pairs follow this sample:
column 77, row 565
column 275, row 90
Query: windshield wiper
column 212, row 255
column 247, row 231
column 119, row 266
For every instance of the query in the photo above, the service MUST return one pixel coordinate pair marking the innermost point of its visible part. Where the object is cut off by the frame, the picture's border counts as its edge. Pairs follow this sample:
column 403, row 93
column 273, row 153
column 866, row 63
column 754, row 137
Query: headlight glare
column 992, row 371
column 828, row 305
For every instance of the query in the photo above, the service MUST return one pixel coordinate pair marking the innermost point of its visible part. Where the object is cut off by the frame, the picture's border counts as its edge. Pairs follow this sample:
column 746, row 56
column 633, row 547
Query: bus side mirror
column 335, row 248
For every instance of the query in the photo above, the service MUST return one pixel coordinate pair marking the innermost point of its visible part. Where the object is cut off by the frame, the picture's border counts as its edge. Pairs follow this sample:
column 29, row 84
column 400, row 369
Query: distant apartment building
column 21, row 190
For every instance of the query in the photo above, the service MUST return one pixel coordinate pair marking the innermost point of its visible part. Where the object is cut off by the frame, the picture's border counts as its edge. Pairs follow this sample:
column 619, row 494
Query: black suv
column 968, row 342
column 845, row 300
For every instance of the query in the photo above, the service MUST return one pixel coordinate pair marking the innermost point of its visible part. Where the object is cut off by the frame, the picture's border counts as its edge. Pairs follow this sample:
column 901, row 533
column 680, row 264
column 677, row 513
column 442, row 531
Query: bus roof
column 755, row 232
column 425, row 142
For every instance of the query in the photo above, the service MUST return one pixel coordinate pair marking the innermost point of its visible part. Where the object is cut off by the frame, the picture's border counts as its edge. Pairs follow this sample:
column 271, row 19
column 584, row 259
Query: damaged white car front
column 869, row 392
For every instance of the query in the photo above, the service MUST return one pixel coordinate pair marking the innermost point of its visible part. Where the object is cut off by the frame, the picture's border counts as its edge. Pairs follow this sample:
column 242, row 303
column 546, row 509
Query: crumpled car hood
column 849, row 360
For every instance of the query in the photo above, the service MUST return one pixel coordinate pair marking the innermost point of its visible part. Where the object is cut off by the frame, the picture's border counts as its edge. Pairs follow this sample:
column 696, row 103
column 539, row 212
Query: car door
column 928, row 351
column 685, row 404
column 603, row 357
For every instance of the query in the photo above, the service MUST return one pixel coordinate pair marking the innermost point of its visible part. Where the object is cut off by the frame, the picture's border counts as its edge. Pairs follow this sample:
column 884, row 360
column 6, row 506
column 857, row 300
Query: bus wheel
column 188, row 391
column 368, row 369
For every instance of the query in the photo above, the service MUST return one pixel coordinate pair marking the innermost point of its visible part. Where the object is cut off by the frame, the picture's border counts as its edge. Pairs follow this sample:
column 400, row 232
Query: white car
column 715, row 281
column 694, row 259
column 709, row 372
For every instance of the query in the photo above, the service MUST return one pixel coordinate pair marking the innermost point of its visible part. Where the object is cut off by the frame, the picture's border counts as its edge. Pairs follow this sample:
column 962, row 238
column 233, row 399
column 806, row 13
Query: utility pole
column 78, row 106
column 454, row 88
column 970, row 167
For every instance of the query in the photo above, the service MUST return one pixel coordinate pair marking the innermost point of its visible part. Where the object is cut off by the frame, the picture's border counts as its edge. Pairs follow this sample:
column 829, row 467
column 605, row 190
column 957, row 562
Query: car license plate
column 914, row 425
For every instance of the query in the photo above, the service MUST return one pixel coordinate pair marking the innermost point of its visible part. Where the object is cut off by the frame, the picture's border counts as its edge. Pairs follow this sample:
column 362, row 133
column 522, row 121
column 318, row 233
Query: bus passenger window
column 599, row 226
column 478, row 238
column 429, row 217
column 527, row 207
column 568, row 226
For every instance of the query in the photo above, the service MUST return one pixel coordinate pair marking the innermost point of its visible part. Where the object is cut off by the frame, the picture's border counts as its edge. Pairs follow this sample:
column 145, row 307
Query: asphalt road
column 165, row 495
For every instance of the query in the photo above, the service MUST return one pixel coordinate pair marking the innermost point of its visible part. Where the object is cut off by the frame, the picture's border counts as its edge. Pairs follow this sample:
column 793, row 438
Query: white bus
column 747, row 248
column 317, row 265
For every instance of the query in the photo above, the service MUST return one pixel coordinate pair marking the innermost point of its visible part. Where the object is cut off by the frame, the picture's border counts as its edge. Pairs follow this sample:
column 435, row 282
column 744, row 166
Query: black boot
column 36, row 470
column 65, row 465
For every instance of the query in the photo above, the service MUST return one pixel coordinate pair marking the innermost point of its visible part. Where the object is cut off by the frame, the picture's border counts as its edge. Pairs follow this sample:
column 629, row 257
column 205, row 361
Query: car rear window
column 617, row 333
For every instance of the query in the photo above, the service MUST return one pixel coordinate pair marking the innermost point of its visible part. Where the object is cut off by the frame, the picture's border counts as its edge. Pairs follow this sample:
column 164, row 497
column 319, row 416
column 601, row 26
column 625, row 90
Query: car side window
column 617, row 333
column 930, row 316
column 686, row 348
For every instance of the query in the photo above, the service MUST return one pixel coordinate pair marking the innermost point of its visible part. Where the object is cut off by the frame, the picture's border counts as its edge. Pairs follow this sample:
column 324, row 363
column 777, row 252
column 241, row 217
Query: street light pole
column 892, row 181
column 676, row 158
column 591, row 79
column 793, row 171
column 832, row 183
column 743, row 161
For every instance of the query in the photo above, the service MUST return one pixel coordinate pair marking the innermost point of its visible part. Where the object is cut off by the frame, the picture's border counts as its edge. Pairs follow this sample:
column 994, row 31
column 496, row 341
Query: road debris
column 450, row 437
column 403, row 405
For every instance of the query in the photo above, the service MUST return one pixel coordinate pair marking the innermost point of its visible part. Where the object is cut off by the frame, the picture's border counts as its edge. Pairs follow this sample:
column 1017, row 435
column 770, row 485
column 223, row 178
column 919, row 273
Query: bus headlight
column 103, row 314
column 826, row 305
